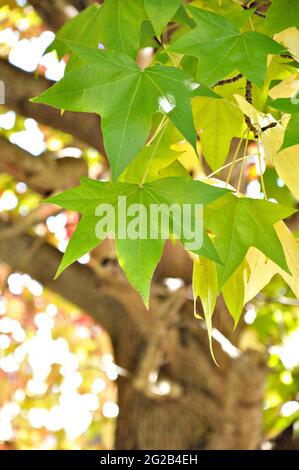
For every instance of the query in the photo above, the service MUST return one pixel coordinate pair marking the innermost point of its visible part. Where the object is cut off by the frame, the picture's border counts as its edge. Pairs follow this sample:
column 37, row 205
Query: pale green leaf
column 234, row 293
column 204, row 283
column 220, row 122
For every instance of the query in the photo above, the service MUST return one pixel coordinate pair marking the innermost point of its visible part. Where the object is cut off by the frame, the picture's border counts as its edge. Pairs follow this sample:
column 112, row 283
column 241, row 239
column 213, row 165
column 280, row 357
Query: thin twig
column 229, row 80
column 161, row 128
column 234, row 159
column 248, row 96
column 258, row 13
column 243, row 162
column 226, row 166
column 278, row 300
column 269, row 126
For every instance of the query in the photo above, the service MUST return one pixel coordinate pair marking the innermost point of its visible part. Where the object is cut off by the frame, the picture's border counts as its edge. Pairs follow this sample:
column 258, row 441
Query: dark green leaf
column 126, row 97
column 221, row 48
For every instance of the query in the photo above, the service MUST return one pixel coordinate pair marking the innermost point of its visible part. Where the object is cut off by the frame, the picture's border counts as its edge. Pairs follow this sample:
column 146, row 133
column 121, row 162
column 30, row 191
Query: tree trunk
column 213, row 408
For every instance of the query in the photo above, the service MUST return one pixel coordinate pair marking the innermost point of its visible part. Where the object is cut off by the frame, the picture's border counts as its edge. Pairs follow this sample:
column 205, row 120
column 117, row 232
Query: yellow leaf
column 287, row 88
column 258, row 118
column 291, row 248
column 289, row 38
column 188, row 158
column 286, row 162
column 262, row 269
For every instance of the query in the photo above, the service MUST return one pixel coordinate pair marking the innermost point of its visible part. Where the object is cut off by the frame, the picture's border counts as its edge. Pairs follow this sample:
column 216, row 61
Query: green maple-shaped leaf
column 113, row 86
column 289, row 106
column 161, row 12
column 138, row 256
column 240, row 223
column 221, row 48
column 77, row 29
column 116, row 25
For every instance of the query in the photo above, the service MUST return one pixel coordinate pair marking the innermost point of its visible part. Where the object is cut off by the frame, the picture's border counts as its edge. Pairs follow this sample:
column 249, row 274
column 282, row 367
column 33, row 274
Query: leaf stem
column 261, row 170
column 234, row 159
column 161, row 127
column 226, row 166
column 243, row 162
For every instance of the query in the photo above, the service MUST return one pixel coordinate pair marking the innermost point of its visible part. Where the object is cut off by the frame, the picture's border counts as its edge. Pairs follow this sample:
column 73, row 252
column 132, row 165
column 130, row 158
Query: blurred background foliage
column 57, row 375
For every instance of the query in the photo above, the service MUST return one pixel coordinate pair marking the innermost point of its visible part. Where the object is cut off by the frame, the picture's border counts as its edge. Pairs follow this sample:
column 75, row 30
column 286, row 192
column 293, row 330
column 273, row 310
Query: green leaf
column 221, row 48
column 77, row 29
column 220, row 121
column 152, row 159
column 138, row 255
column 234, row 293
column 281, row 16
column 161, row 12
column 176, row 168
column 291, row 136
column 202, row 90
column 116, row 26
column 204, row 284
column 112, row 85
column 149, row 163
column 227, row 8
column 286, row 105
column 238, row 224
column 119, row 25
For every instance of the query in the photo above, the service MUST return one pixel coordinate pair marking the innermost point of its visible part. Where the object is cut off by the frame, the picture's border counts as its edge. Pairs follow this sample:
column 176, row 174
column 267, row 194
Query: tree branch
column 20, row 86
column 56, row 12
column 78, row 284
column 43, row 174
column 53, row 12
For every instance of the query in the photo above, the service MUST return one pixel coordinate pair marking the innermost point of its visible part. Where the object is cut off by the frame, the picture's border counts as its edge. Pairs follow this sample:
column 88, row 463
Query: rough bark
column 218, row 408
column 20, row 86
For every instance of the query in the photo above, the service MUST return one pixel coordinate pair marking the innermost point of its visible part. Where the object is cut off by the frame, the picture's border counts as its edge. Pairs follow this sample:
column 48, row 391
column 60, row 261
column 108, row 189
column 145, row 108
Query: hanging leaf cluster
column 221, row 89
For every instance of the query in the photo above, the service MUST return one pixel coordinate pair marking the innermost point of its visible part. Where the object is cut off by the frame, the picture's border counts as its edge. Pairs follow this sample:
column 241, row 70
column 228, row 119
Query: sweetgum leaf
column 116, row 26
column 138, row 257
column 113, row 86
column 221, row 48
column 241, row 223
